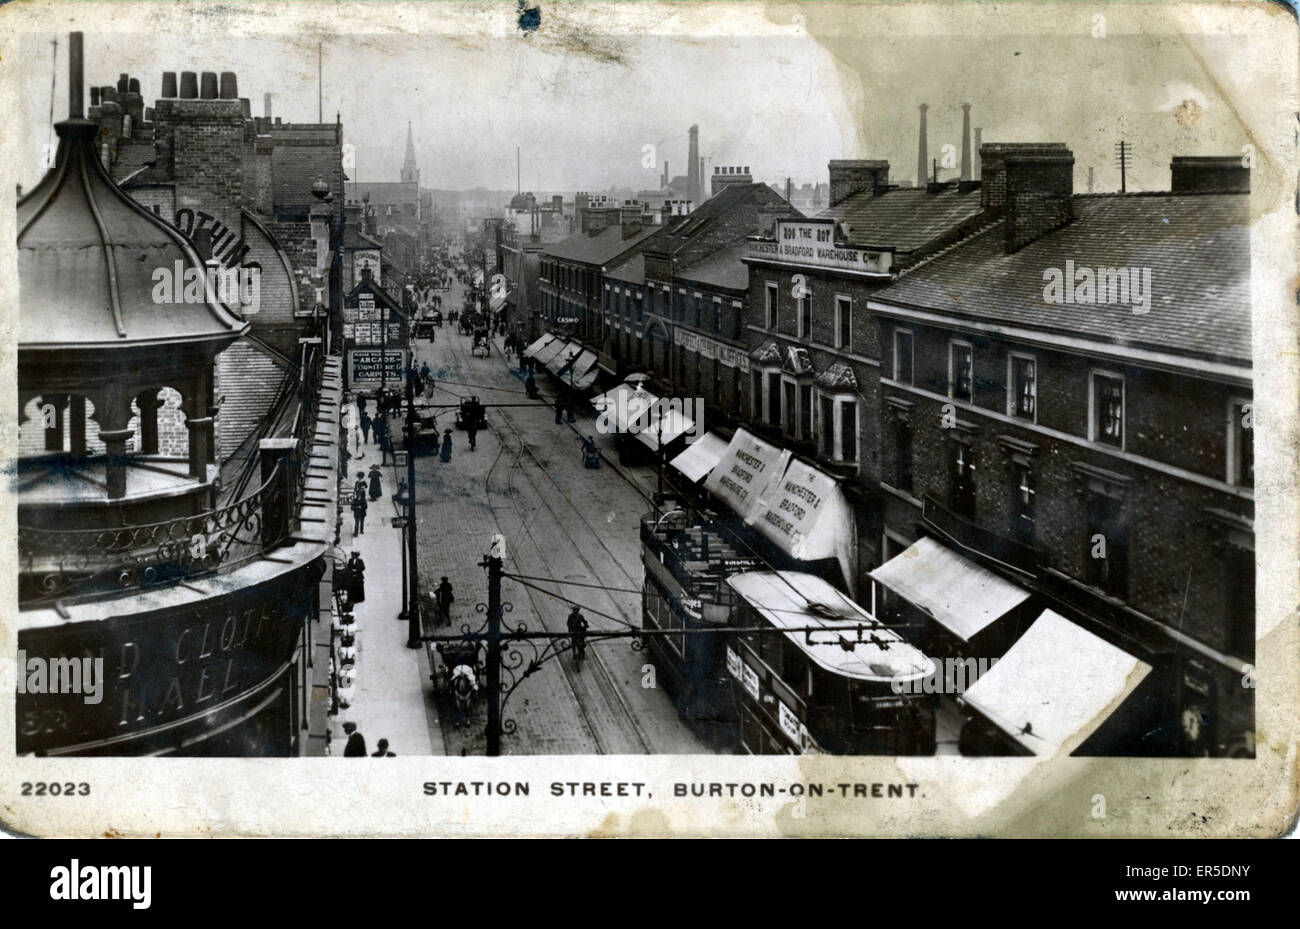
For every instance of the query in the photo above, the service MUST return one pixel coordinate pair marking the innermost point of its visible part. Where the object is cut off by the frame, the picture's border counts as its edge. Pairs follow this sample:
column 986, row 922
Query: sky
column 601, row 96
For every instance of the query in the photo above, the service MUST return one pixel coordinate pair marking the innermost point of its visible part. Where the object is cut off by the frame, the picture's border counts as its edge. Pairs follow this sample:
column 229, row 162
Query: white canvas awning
column 1055, row 686
column 960, row 594
column 806, row 514
column 559, row 362
column 532, row 350
column 747, row 468
column 548, row 352
column 700, row 457
column 623, row 405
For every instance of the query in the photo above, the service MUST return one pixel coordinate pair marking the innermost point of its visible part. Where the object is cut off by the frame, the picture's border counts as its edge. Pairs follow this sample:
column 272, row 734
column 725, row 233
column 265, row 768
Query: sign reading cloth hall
column 712, row 349
column 813, row 244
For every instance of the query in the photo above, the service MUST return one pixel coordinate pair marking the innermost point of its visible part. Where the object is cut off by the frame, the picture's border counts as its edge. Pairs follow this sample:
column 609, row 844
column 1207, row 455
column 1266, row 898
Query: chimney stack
column 1203, row 174
column 169, row 84
column 976, row 169
column 664, row 184
column 76, row 77
column 189, row 85
column 94, row 96
column 133, row 86
column 850, row 176
column 922, row 156
column 122, row 83
column 694, row 166
column 965, row 143
column 789, row 189
column 1031, row 184
column 266, row 105
column 1090, row 179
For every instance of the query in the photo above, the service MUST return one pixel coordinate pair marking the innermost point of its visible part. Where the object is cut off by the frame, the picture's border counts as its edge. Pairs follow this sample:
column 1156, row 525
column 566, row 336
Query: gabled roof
column 723, row 268
column 1195, row 246
column 903, row 220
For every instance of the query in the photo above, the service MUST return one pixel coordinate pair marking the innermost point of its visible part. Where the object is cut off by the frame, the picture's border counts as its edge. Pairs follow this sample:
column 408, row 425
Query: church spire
column 410, row 170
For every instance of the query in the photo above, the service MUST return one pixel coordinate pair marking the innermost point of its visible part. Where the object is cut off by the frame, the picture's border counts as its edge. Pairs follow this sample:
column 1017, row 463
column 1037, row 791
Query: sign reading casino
column 812, row 243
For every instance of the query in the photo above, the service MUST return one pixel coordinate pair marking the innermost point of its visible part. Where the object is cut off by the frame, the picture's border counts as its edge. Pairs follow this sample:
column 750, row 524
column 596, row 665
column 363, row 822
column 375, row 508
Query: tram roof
column 793, row 600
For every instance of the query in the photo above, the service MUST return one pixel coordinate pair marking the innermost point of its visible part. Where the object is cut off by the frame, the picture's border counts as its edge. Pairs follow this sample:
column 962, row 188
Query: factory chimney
column 694, row 167
column 965, row 143
column 922, row 154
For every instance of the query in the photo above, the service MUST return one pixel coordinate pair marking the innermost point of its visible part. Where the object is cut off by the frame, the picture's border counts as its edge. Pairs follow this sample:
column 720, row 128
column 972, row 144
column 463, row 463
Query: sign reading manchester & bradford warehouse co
column 813, row 244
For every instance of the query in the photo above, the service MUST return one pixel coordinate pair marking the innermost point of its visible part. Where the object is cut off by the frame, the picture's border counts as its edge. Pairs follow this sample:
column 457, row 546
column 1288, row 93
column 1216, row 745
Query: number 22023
column 55, row 789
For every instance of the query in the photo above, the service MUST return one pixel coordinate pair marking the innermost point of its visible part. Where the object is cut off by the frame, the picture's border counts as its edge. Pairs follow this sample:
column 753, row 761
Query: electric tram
column 812, row 671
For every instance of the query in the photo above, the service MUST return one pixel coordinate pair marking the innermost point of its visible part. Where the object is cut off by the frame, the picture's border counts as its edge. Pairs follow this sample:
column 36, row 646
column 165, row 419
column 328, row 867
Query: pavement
column 394, row 697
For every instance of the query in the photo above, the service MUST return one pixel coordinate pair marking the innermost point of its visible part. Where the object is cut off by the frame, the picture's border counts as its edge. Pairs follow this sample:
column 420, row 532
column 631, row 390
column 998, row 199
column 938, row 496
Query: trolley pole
column 493, row 655
column 413, row 628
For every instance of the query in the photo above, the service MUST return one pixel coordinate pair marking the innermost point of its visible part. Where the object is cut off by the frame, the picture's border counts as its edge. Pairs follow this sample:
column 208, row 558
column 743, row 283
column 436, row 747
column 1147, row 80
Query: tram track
column 604, row 680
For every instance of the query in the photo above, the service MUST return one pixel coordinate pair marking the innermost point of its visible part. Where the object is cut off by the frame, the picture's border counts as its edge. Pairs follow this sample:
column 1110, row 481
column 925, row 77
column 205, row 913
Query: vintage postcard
column 718, row 418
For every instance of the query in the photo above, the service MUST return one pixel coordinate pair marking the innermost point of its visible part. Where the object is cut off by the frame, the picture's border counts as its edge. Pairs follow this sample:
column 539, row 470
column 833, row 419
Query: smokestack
column 229, row 86
column 694, row 165
column 76, row 78
column 789, row 189
column 266, row 105
column 1090, row 180
column 922, row 153
column 169, row 84
column 189, row 85
column 965, row 142
column 977, row 170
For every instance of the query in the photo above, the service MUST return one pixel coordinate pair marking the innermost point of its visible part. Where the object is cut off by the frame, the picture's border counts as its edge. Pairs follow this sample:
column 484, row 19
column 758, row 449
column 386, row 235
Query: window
column 961, row 467
column 843, row 322
column 1107, row 542
column 827, row 426
column 903, row 444
column 960, row 365
column 848, row 430
column 735, row 391
column 1107, row 416
column 1024, row 503
column 1023, row 382
column 698, row 312
column 903, row 356
column 770, row 296
column 1241, row 443
column 774, row 398
column 1240, row 563
column 803, row 306
column 717, row 315
column 805, row 411
column 788, row 408
column 756, row 398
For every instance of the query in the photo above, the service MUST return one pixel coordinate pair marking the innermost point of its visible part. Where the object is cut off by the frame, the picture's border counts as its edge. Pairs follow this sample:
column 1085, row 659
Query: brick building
column 1065, row 403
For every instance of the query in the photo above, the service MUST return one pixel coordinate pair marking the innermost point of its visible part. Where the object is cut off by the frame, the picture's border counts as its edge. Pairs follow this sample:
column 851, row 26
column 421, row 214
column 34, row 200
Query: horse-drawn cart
column 456, row 675
column 471, row 413
column 482, row 346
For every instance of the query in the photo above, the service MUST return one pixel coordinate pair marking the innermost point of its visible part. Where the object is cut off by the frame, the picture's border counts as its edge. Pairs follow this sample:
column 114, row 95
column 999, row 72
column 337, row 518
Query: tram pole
column 494, row 566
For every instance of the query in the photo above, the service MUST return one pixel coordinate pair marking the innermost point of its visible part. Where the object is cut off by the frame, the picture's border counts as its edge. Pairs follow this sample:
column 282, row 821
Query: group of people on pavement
column 356, row 744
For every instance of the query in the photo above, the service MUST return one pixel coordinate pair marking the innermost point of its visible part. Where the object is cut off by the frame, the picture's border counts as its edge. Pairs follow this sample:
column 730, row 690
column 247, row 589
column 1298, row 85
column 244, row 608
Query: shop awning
column 532, row 350
column 747, row 468
column 666, row 421
column 700, row 457
column 960, row 594
column 623, row 406
column 585, row 361
column 806, row 514
column 586, row 379
column 794, row 600
column 548, row 353
column 1055, row 686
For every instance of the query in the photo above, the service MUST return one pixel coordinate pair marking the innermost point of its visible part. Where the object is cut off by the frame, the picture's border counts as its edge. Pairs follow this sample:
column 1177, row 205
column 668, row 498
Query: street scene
column 392, row 414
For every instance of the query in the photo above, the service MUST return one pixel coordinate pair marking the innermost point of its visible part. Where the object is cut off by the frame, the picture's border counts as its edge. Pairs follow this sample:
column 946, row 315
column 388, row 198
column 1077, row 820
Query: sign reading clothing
column 721, row 352
column 813, row 243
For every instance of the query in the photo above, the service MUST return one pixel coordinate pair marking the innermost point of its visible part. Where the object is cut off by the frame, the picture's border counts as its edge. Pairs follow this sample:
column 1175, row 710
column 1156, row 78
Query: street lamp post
column 413, row 631
column 493, row 563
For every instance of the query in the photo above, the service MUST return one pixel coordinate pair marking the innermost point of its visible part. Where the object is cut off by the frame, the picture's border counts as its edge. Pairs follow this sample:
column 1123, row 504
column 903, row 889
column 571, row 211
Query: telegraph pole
column 413, row 628
column 1122, row 155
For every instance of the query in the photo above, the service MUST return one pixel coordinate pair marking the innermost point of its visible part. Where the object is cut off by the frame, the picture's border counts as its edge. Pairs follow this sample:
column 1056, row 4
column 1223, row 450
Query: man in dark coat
column 359, row 512
column 443, row 598
column 356, row 747
column 356, row 578
column 577, row 624
column 471, row 432
column 365, row 428
column 376, row 482
column 446, row 446
column 530, row 385
column 383, row 750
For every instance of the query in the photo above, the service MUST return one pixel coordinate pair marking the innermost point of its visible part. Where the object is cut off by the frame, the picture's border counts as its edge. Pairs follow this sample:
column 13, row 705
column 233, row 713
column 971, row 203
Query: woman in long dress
column 446, row 446
column 356, row 578
column 376, row 483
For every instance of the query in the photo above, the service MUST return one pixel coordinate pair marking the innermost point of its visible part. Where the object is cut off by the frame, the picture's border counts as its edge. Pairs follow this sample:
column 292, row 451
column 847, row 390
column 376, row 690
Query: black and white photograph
column 696, row 418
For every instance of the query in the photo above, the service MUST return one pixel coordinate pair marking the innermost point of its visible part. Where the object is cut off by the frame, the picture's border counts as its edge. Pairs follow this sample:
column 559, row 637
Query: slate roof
column 631, row 271
column 599, row 248
column 904, row 220
column 1197, row 247
column 723, row 268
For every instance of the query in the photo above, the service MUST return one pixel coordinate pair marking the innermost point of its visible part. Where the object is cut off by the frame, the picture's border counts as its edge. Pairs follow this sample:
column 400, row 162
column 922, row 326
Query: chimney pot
column 229, row 86
column 169, row 84
column 122, row 83
column 94, row 96
column 245, row 108
column 208, row 85
column 189, row 85
column 133, row 86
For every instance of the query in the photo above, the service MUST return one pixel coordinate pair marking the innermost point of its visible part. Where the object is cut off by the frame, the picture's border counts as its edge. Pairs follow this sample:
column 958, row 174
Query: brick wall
column 247, row 381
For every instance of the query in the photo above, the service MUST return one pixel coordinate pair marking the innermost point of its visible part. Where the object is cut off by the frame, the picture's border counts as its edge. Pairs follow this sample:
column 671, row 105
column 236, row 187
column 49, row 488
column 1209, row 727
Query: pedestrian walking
column 530, row 385
column 383, row 750
column 359, row 513
column 356, row 578
column 365, row 427
column 376, row 482
column 578, row 633
column 559, row 411
column 443, row 598
column 471, row 433
column 361, row 404
column 386, row 446
column 446, row 446
column 359, row 488
column 425, row 373
column 356, row 747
